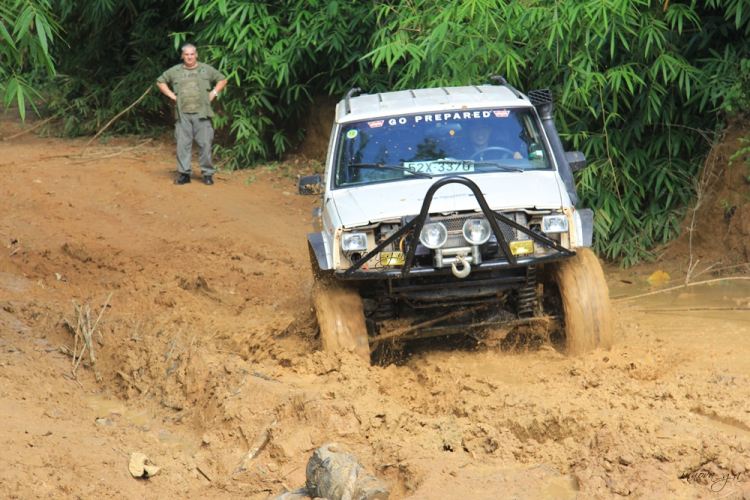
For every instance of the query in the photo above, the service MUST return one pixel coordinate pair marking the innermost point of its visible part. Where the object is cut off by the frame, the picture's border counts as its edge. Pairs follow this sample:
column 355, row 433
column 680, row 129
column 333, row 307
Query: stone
column 141, row 466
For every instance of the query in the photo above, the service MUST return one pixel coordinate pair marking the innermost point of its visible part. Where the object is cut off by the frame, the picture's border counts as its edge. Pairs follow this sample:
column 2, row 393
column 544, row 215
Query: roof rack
column 349, row 96
column 504, row 83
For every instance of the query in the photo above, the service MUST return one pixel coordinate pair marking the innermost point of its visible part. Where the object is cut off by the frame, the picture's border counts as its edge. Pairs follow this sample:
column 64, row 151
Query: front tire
column 341, row 318
column 585, row 303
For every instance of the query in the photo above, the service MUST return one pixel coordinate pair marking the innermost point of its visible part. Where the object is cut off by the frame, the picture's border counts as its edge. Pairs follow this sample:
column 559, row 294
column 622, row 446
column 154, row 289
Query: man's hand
column 165, row 90
column 213, row 94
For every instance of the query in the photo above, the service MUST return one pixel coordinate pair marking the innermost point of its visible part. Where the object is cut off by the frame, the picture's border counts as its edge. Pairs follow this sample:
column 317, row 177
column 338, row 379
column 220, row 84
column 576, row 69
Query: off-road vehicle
column 450, row 210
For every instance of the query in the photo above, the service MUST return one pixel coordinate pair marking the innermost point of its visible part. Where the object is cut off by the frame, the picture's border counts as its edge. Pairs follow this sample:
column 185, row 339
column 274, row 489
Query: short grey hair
column 188, row 46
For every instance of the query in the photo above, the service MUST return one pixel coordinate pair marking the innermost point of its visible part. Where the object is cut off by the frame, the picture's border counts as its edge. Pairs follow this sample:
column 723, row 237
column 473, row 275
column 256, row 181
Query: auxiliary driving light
column 354, row 242
column 523, row 247
column 477, row 231
column 553, row 224
column 433, row 235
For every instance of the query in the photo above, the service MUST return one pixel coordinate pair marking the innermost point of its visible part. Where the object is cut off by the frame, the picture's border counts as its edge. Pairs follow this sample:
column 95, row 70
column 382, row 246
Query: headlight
column 477, row 231
column 553, row 224
column 354, row 242
column 433, row 235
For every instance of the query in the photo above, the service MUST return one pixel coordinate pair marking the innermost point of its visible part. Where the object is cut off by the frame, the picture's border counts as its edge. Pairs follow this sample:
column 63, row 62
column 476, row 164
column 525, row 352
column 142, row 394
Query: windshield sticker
column 439, row 117
column 401, row 121
column 351, row 134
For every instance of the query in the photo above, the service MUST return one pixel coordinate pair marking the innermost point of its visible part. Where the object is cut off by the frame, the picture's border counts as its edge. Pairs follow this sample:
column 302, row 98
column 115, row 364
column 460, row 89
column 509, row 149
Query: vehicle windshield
column 455, row 142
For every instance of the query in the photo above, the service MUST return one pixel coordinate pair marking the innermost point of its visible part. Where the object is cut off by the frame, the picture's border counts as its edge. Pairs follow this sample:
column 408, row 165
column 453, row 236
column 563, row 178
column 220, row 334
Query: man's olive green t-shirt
column 192, row 87
column 190, row 101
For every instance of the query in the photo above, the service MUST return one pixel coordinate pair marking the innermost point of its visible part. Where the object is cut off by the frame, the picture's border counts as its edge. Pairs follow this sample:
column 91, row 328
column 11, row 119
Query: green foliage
column 633, row 83
column 277, row 55
column 637, row 82
column 114, row 51
column 743, row 152
column 27, row 29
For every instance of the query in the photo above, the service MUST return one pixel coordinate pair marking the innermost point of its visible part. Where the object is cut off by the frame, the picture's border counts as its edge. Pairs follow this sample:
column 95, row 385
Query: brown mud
column 721, row 224
column 585, row 298
column 341, row 319
column 209, row 341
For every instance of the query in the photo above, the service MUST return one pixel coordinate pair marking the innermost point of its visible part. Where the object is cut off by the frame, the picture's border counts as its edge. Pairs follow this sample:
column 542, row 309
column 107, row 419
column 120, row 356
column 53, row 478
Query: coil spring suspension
column 527, row 295
column 386, row 308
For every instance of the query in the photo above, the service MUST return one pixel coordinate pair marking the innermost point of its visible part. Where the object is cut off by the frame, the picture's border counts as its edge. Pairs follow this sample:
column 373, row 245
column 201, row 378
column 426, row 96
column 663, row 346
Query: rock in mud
column 335, row 474
column 141, row 466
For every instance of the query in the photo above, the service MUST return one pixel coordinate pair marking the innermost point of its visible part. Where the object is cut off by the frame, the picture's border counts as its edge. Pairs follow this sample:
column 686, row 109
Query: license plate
column 392, row 258
column 438, row 168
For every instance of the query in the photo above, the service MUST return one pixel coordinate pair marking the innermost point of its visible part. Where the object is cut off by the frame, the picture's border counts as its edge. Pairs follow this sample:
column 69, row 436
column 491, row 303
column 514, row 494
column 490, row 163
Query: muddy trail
column 207, row 341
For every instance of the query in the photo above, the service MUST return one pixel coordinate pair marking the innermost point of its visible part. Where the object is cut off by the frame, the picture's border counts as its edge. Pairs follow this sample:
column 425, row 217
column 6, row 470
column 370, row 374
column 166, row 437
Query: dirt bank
column 208, row 340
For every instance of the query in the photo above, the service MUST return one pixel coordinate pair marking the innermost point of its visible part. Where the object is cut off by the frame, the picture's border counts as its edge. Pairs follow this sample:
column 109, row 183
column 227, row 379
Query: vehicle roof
column 407, row 102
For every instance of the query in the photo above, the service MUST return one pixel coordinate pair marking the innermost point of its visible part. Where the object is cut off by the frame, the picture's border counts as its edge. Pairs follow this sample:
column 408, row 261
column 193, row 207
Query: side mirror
column 576, row 160
column 311, row 184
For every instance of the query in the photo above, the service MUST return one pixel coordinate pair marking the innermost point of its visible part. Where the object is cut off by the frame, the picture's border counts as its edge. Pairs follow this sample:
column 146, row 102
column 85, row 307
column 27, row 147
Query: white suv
column 447, row 210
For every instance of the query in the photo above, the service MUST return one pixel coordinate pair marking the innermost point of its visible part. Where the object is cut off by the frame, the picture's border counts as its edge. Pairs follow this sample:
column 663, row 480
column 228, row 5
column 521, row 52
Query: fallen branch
column 719, row 269
column 39, row 124
column 100, row 315
column 681, row 286
column 113, row 154
column 409, row 329
column 255, row 448
column 85, row 329
column 29, row 129
column 692, row 309
column 115, row 118
column 174, row 343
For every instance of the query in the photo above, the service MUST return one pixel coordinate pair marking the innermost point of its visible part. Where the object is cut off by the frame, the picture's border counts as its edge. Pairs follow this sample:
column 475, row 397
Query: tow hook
column 465, row 270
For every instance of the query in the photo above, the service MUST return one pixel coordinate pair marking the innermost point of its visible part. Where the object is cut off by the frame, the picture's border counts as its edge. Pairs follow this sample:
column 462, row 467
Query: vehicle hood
column 362, row 205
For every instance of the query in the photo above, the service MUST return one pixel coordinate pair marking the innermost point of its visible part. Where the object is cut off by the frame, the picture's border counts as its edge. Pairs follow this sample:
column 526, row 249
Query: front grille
column 455, row 225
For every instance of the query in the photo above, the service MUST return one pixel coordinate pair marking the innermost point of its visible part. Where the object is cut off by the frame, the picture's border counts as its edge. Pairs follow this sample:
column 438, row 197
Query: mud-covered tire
column 341, row 318
column 585, row 302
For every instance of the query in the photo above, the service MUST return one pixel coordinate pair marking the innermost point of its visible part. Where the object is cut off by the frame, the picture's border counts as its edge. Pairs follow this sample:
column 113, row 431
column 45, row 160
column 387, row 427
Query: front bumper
column 431, row 271
column 417, row 223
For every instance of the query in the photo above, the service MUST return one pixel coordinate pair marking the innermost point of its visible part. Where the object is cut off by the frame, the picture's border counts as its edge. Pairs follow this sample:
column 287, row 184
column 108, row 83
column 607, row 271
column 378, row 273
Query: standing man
column 195, row 86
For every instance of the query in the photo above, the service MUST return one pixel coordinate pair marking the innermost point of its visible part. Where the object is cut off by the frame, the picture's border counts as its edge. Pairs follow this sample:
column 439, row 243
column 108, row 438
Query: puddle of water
column 684, row 431
column 724, row 332
column 105, row 407
column 184, row 443
column 727, row 426
column 725, row 293
column 560, row 488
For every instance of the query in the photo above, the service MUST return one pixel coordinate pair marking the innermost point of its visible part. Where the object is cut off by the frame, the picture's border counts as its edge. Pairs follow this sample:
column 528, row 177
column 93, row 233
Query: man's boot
column 182, row 179
column 208, row 180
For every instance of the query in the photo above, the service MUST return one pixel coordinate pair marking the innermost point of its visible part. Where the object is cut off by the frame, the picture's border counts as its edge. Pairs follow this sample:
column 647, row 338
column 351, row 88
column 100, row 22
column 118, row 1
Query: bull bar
column 417, row 223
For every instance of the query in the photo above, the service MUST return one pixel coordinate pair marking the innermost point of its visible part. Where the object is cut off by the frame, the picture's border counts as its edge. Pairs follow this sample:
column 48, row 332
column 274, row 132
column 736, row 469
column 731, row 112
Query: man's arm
column 216, row 90
column 166, row 91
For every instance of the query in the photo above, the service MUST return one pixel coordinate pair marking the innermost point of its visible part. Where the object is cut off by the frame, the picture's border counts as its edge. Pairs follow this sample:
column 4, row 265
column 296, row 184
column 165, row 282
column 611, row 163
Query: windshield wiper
column 472, row 162
column 391, row 167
